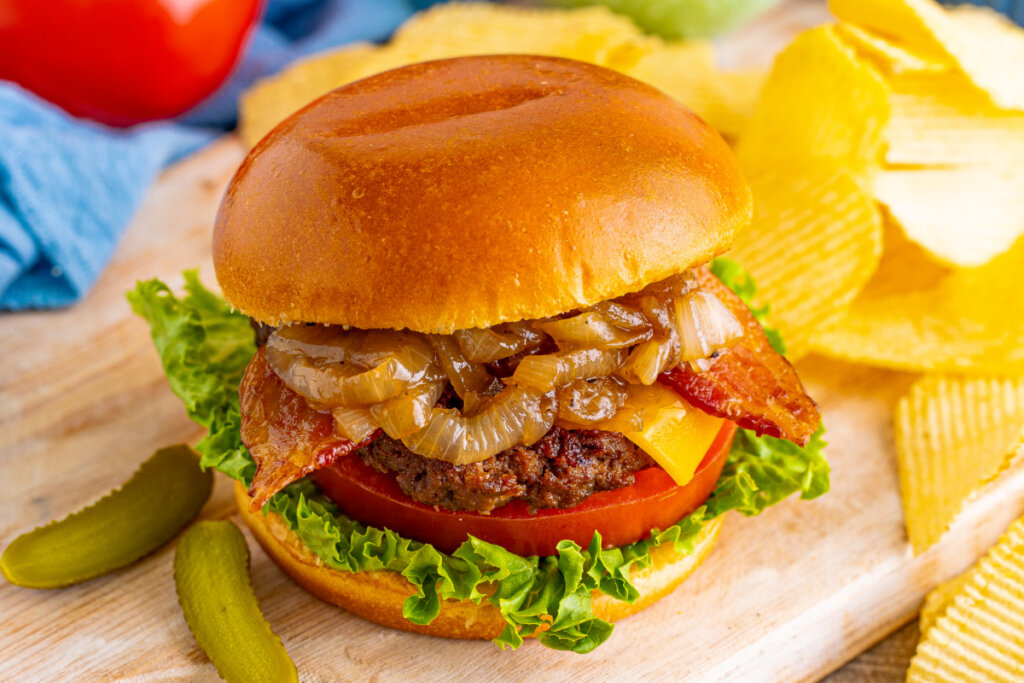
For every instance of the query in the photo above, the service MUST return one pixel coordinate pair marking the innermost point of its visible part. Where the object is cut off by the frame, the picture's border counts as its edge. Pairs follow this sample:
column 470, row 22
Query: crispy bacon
column 286, row 438
column 748, row 383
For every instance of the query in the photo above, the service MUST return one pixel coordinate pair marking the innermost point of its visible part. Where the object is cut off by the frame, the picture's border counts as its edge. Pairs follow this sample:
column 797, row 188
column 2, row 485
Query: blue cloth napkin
column 68, row 187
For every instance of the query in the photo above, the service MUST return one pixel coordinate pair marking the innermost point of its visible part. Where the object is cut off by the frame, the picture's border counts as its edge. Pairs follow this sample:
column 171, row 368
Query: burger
column 501, row 386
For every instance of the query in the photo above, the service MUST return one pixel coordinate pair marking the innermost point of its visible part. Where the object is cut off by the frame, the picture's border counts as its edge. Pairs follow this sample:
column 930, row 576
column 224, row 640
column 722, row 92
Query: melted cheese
column 673, row 432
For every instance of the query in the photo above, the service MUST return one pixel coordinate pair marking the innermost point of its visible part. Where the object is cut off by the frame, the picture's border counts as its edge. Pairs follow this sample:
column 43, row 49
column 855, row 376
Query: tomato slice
column 622, row 516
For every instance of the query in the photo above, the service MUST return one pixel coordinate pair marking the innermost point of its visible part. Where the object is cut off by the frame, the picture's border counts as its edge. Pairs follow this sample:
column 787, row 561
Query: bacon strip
column 749, row 383
column 286, row 438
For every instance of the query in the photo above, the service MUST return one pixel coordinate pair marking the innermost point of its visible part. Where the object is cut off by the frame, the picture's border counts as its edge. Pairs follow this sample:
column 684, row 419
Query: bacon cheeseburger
column 499, row 391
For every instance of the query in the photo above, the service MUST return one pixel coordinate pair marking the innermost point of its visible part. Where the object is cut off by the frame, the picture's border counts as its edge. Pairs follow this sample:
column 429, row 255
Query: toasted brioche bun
column 473, row 191
column 379, row 595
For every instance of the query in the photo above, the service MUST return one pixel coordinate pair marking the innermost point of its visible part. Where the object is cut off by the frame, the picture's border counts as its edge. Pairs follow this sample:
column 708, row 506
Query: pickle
column 211, row 574
column 163, row 495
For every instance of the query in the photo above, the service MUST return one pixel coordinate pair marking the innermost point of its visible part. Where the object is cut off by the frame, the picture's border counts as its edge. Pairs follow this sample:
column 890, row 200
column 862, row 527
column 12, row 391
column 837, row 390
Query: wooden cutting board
column 789, row 595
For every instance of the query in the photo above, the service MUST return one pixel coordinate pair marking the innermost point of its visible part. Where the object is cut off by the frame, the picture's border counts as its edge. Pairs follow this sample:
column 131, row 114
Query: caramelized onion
column 467, row 378
column 484, row 345
column 544, row 373
column 408, row 413
column 589, row 401
column 623, row 315
column 515, row 416
column 592, row 330
column 355, row 424
column 673, row 286
column 704, row 325
column 650, row 359
column 659, row 313
column 331, row 367
column 380, row 379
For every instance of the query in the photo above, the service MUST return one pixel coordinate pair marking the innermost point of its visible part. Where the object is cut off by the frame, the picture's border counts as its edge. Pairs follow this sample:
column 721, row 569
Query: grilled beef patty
column 559, row 471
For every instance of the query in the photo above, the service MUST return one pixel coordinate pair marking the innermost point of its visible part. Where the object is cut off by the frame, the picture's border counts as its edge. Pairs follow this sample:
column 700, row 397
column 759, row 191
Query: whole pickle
column 163, row 495
column 211, row 574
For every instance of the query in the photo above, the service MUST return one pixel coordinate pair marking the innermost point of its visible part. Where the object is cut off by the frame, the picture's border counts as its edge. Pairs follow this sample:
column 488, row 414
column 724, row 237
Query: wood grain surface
column 789, row 595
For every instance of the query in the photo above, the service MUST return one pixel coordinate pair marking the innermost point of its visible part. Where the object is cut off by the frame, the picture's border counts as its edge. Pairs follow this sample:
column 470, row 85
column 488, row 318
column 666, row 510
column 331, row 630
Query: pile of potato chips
column 972, row 628
column 901, row 128
column 886, row 154
column 917, row 113
column 684, row 70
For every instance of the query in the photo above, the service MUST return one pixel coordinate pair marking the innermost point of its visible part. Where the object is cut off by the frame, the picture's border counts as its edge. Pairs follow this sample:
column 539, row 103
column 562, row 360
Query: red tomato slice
column 622, row 516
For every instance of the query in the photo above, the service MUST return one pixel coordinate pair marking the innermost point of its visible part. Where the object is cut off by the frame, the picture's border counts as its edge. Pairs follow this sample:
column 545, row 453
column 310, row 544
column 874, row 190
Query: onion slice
column 544, row 373
column 467, row 378
column 483, row 345
column 623, row 315
column 355, row 424
column 591, row 329
column 586, row 402
column 406, row 414
column 704, row 325
column 331, row 367
column 515, row 416
column 650, row 359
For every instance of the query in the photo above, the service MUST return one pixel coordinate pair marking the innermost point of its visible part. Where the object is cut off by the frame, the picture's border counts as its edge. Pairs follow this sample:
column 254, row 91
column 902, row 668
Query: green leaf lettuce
column 204, row 347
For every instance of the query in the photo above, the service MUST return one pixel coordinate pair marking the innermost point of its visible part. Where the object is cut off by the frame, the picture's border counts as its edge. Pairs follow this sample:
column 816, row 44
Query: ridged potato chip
column 980, row 637
column 986, row 47
column 686, row 72
column 915, row 315
column 820, row 102
column 943, row 119
column 592, row 34
column 954, row 434
column 938, row 601
column 815, row 240
column 888, row 56
column 962, row 216
column 595, row 34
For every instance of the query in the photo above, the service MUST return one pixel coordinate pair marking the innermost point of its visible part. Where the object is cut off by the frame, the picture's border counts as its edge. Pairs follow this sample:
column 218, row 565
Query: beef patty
column 559, row 471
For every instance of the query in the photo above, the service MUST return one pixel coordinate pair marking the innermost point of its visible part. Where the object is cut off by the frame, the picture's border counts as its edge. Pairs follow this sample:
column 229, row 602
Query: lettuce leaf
column 204, row 347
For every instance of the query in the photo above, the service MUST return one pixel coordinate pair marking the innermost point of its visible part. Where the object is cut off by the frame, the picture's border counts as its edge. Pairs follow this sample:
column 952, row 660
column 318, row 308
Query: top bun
column 474, row 191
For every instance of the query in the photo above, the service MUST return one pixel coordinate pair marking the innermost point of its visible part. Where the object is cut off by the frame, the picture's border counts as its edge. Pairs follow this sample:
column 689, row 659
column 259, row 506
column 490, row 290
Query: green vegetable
column 161, row 497
column 759, row 472
column 211, row 574
column 204, row 347
column 674, row 19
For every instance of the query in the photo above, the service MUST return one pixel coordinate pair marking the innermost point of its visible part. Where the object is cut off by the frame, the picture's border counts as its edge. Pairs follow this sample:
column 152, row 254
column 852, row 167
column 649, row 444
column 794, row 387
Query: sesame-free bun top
column 473, row 191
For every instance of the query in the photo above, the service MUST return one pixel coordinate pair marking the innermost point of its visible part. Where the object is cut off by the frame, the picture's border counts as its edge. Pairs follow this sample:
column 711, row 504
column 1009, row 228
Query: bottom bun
column 379, row 595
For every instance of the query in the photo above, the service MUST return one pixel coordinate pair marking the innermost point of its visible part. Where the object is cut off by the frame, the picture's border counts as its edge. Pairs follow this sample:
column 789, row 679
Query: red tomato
column 622, row 516
column 123, row 61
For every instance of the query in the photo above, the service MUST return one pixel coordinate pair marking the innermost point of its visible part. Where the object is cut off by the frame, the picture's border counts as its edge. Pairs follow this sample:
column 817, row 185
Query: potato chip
column 887, row 56
column 962, row 216
column 953, row 435
column 986, row 47
column 932, row 319
column 943, row 119
column 938, row 601
column 820, row 102
column 686, row 72
column 980, row 637
column 592, row 34
column 990, row 50
column 815, row 240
